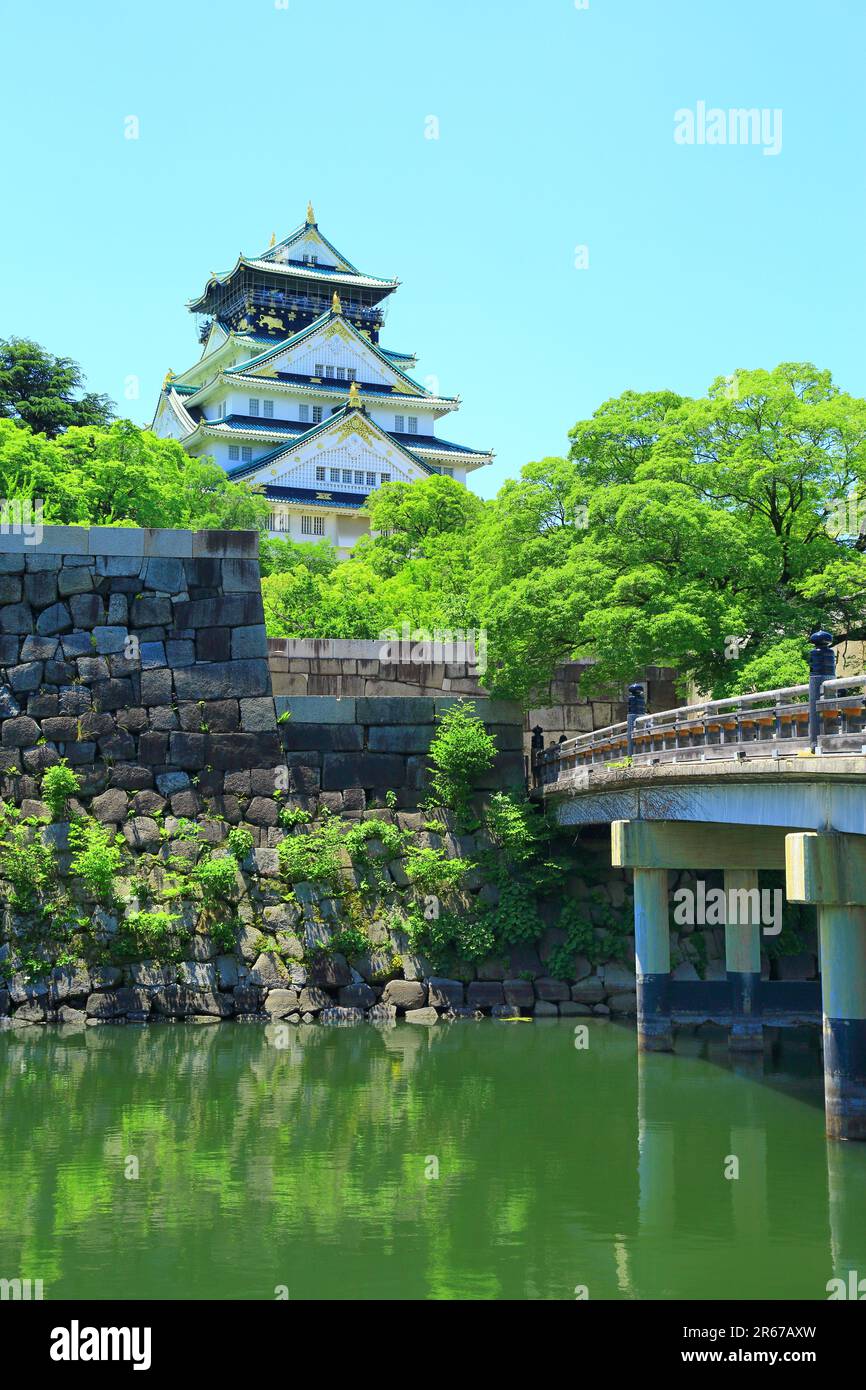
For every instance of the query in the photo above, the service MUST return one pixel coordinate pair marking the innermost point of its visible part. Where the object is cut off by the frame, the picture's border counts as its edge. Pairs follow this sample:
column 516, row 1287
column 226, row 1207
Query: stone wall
column 140, row 657
column 338, row 667
column 346, row 755
column 342, row 667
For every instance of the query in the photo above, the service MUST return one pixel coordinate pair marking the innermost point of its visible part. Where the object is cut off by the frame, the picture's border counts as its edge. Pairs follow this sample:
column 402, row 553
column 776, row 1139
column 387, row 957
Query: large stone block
column 239, row 545
column 400, row 738
column 395, row 711
column 327, row 738
column 218, row 680
column 483, row 994
column 241, row 576
column 405, row 994
column 237, row 610
column 229, row 751
column 249, row 641
column 51, row 620
column 316, row 709
column 373, row 770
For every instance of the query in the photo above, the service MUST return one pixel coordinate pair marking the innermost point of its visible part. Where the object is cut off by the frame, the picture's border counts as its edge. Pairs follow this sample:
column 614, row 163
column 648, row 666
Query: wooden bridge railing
column 828, row 718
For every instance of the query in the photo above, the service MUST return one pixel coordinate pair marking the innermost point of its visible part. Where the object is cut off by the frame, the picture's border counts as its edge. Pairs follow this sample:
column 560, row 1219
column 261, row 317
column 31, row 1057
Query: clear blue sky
column 556, row 130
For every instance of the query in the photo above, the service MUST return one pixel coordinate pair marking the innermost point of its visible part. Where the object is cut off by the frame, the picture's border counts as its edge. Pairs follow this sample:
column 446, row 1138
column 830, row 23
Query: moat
column 473, row 1160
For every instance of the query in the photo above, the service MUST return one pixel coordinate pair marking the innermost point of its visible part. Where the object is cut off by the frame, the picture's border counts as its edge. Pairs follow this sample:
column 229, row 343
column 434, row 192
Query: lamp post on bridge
column 636, row 707
column 822, row 667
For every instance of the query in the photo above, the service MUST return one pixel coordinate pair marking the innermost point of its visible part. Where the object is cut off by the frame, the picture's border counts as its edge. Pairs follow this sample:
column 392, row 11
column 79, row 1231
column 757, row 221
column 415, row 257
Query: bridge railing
column 767, row 723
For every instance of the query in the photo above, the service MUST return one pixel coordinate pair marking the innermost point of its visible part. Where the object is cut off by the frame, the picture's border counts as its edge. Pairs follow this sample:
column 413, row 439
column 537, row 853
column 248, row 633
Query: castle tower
column 294, row 392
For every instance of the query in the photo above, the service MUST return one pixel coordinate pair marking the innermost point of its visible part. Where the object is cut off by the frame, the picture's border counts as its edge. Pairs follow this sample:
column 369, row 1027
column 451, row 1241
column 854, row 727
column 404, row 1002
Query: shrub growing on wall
column 461, row 752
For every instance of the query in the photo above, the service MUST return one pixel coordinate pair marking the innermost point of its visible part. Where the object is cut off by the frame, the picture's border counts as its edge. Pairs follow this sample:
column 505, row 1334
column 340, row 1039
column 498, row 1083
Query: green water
column 309, row 1165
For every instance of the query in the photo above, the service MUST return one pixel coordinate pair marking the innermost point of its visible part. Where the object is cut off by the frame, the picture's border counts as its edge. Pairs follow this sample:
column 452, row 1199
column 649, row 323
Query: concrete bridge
column 775, row 780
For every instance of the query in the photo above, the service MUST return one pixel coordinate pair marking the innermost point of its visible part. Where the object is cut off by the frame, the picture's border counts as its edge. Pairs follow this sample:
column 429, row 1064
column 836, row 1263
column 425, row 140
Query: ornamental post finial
column 336, row 305
column 311, row 216
column 354, row 396
column 169, row 376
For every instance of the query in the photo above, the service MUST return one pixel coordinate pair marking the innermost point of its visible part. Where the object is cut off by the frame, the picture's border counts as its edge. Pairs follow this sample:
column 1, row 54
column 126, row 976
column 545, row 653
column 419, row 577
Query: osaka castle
column 294, row 391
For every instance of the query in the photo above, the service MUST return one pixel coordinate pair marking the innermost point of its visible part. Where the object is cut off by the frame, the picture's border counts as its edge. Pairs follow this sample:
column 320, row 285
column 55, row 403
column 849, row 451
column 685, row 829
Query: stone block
column 482, row 994
column 248, row 641
column 165, row 574
column 236, row 610
column 316, row 709
column 54, row 619
column 116, row 540
column 395, row 711
column 240, row 545
column 373, row 770
column 78, row 580
column 258, row 715
column 180, row 653
column 405, row 994
column 40, row 589
column 400, row 738
column 443, row 993
column 551, row 990
column 218, row 680
column 519, row 993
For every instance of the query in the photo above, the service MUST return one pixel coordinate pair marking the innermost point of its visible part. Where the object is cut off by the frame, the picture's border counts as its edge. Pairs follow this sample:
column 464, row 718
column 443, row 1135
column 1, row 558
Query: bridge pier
column 653, row 960
column 830, row 871
column 743, row 959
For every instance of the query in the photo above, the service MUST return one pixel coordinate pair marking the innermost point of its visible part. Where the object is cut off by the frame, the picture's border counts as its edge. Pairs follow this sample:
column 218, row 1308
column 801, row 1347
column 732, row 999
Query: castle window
column 320, row 475
column 347, row 475
column 371, row 480
column 341, row 373
column 254, row 406
column 398, row 423
column 246, row 454
column 304, row 413
column 312, row 525
column 384, row 477
column 359, row 477
column 350, row 373
column 234, row 453
column 317, row 414
column 413, row 424
column 269, row 410
column 320, row 370
column 335, row 475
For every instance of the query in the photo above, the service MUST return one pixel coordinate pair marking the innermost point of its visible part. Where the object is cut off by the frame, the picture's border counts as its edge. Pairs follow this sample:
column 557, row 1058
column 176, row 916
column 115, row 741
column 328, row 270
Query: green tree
column 44, row 391
column 122, row 475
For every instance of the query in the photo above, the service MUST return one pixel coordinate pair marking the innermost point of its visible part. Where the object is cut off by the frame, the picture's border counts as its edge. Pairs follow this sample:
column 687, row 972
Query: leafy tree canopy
column 44, row 391
column 121, row 476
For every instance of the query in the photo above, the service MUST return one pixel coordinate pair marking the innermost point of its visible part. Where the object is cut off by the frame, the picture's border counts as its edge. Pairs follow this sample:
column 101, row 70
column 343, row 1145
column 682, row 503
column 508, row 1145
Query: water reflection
column 302, row 1157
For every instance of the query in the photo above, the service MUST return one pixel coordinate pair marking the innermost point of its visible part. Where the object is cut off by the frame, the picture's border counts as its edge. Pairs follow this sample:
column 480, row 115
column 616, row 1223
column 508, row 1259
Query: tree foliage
column 46, row 392
column 121, row 475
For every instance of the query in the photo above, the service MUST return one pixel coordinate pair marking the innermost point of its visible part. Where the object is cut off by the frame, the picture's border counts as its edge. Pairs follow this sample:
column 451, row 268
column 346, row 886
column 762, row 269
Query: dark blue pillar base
column 654, row 1032
column 747, row 1033
column 845, row 1077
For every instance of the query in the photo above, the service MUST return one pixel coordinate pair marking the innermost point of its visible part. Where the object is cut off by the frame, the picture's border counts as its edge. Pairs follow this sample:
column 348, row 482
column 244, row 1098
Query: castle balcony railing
column 282, row 301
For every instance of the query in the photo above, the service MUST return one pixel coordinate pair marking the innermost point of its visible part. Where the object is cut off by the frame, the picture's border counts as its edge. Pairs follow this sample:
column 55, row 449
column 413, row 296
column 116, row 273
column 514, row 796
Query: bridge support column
column 830, row 870
column 843, row 963
column 653, row 967
column 743, row 958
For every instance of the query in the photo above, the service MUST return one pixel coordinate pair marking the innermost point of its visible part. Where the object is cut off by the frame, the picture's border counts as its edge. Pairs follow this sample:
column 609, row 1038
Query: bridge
column 771, row 780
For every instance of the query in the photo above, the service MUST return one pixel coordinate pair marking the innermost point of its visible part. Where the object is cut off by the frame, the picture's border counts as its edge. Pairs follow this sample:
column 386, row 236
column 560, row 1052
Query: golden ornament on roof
column 311, row 216
column 273, row 240
column 336, row 306
column 169, row 376
column 354, row 396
